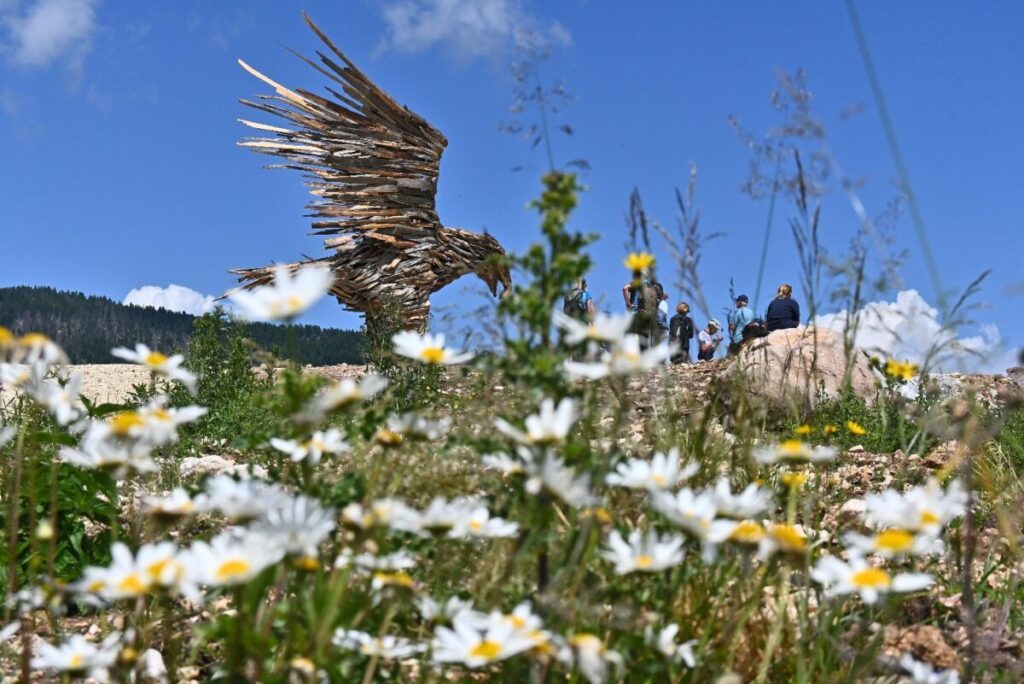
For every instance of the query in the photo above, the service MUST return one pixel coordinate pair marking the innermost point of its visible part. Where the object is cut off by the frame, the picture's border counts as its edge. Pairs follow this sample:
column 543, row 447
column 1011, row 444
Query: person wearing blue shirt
column 738, row 319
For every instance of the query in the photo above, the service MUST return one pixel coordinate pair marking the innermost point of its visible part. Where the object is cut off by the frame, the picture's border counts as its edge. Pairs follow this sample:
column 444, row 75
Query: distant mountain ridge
column 88, row 327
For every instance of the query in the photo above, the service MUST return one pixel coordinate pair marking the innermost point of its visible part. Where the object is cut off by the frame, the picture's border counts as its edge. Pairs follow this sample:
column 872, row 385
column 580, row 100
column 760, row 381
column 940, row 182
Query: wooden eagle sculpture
column 373, row 166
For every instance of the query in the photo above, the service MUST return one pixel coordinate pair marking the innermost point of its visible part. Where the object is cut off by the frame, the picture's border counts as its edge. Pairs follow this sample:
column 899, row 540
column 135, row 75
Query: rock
column 941, row 455
column 151, row 667
column 210, row 464
column 853, row 508
column 925, row 642
column 856, row 449
column 801, row 365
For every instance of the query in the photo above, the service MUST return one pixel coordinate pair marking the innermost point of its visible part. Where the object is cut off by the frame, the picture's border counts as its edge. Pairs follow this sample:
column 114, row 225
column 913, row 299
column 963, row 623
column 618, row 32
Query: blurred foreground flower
column 550, row 426
column 313, row 449
column 857, row 577
column 477, row 645
column 922, row 673
column 662, row 472
column 592, row 657
column 638, row 261
column 387, row 647
column 900, row 370
column 343, row 393
column 793, row 451
column 624, row 359
column 925, row 508
column 643, row 553
column 77, row 657
column 287, row 297
column 610, row 328
column 161, row 364
column 427, row 348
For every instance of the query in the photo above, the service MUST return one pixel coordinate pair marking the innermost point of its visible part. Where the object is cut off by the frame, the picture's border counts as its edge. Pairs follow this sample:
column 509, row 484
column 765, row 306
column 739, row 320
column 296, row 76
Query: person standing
column 738, row 320
column 579, row 303
column 783, row 311
column 680, row 332
column 708, row 340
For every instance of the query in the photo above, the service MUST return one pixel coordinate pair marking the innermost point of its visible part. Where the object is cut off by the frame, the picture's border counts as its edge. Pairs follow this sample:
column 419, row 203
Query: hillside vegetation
column 87, row 327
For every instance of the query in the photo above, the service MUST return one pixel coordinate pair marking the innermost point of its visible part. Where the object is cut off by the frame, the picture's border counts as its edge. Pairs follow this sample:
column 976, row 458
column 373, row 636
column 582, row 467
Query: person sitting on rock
column 783, row 311
column 738, row 320
column 708, row 340
column 680, row 332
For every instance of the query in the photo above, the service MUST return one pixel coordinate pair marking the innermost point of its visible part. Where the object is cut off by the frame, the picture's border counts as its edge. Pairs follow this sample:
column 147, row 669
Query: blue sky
column 120, row 168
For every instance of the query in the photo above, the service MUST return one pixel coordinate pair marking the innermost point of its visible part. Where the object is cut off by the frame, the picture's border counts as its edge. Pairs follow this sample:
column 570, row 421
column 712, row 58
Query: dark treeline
column 87, row 327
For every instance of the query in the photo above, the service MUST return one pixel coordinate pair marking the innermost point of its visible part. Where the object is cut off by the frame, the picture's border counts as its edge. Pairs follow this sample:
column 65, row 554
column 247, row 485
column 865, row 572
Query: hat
column 743, row 298
column 714, row 323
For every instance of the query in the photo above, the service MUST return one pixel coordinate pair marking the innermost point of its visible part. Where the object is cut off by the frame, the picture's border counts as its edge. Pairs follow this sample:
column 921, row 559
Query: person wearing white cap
column 708, row 340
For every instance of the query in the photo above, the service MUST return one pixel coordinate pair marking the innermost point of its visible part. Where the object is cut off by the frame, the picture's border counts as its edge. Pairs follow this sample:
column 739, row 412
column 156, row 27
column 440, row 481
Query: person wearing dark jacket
column 680, row 332
column 783, row 311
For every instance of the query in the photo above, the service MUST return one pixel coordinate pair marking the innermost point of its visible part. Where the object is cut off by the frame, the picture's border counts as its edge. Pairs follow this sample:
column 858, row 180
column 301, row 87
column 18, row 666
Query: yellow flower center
column 156, row 569
column 232, row 569
column 432, row 354
column 34, row 339
column 516, row 621
column 123, row 422
column 486, row 649
column 586, row 642
column 155, row 359
column 747, row 532
column 163, row 415
column 804, row 430
column 294, row 304
column 794, row 449
column 658, row 479
column 871, row 578
column 307, row 563
column 894, row 540
column 476, row 525
column 399, row 578
column 929, row 518
column 96, row 585
column 644, row 561
column 6, row 336
column 789, row 537
column 387, row 437
column 132, row 584
column 829, row 429
column 794, row 480
column 76, row 661
column 303, row 664
column 855, row 428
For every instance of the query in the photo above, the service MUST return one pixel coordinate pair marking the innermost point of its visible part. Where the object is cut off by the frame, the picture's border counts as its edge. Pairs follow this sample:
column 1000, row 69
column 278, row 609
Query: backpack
column 652, row 291
column 754, row 329
column 575, row 303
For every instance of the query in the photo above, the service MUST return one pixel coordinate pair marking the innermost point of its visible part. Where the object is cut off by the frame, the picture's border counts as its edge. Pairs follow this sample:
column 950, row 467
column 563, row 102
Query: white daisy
column 387, row 647
column 477, row 645
column 793, row 451
column 159, row 363
column 555, row 477
column 696, row 515
column 749, row 503
column 240, row 499
column 643, row 553
column 62, row 400
column 297, row 526
column 228, row 559
column 479, row 523
column 177, row 504
column 77, row 657
column 925, row 508
column 427, row 348
column 549, row 426
column 387, row 512
column 452, row 609
column 662, row 472
column 160, row 424
column 667, row 646
column 345, row 392
column 7, row 433
column 9, row 630
column 287, row 297
column 922, row 673
column 411, row 426
column 624, row 359
column 36, row 347
column 509, row 465
column 399, row 560
column 100, row 449
column 610, row 328
column 858, row 577
column 313, row 449
column 592, row 657
column 893, row 543
column 441, row 516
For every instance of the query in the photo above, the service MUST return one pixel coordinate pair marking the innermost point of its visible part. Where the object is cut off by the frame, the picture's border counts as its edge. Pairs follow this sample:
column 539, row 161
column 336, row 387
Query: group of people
column 648, row 301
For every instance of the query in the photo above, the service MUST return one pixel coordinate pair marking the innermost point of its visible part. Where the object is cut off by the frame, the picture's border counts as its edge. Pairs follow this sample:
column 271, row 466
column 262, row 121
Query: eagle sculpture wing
column 372, row 163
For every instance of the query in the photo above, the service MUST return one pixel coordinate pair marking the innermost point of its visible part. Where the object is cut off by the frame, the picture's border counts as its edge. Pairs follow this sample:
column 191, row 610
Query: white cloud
column 172, row 298
column 909, row 328
column 48, row 31
column 467, row 28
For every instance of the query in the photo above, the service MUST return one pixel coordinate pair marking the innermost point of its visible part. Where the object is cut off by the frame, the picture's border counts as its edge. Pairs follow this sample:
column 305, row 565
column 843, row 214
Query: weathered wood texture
column 372, row 166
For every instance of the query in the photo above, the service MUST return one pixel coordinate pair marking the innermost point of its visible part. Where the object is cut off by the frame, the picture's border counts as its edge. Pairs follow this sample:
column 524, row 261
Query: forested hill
column 87, row 327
